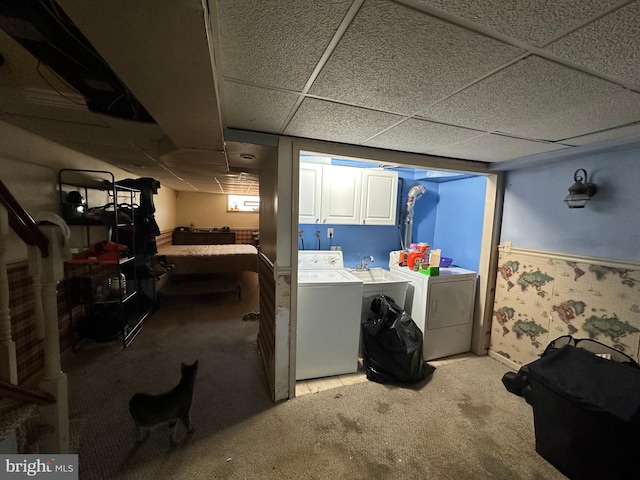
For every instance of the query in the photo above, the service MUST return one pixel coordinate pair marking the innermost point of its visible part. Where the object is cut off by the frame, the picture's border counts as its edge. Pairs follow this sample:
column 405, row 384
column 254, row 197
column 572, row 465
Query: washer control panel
column 320, row 259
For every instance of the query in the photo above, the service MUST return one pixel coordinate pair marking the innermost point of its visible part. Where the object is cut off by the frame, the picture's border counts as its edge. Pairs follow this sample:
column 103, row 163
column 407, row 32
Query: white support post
column 35, row 269
column 8, row 360
column 54, row 380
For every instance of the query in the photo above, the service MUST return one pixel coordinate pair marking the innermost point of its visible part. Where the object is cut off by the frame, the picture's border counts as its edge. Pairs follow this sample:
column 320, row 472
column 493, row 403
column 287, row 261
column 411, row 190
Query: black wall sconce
column 581, row 191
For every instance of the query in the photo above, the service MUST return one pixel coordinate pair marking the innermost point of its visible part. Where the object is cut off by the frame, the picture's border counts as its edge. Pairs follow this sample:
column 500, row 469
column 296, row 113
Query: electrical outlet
column 506, row 246
column 329, row 232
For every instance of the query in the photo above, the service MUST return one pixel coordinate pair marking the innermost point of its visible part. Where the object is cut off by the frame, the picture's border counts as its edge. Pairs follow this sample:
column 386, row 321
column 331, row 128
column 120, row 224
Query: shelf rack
column 89, row 182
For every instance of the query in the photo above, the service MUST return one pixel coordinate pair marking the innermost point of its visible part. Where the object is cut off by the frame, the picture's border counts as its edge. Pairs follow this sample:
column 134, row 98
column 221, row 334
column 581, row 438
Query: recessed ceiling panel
column 277, row 44
column 160, row 50
column 46, row 105
column 141, row 134
column 496, row 148
column 61, row 131
column 539, row 99
column 610, row 45
column 420, row 136
column 257, row 109
column 338, row 123
column 534, row 21
column 397, row 59
column 21, row 70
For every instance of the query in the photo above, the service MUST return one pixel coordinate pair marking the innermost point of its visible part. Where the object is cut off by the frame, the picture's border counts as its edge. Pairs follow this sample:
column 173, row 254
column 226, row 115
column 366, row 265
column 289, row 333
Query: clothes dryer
column 442, row 307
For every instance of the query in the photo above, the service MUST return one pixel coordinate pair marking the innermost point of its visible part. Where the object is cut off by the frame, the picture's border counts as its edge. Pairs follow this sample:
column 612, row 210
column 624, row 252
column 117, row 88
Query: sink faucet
column 362, row 265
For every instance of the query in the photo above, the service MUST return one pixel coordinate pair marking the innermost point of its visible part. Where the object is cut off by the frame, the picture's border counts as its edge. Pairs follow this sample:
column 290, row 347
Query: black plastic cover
column 392, row 345
column 594, row 384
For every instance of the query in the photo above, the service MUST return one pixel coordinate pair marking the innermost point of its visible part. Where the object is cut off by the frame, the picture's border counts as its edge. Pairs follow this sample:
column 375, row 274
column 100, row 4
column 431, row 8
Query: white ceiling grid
column 470, row 80
column 489, row 81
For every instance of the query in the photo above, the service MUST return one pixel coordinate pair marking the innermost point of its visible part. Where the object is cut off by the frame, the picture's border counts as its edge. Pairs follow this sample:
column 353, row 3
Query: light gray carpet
column 461, row 424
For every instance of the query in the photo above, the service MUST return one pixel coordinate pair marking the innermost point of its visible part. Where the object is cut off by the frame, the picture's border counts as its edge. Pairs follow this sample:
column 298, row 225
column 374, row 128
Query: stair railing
column 45, row 248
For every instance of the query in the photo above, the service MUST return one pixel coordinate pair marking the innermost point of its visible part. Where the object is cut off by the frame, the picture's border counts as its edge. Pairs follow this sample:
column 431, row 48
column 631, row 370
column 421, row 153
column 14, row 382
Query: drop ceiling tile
column 145, row 135
column 613, row 134
column 420, row 136
column 337, row 122
column 610, row 45
column 397, row 59
column 147, row 172
column 112, row 153
column 277, row 44
column 535, row 21
column 253, row 108
column 539, row 99
column 194, row 157
column 496, row 148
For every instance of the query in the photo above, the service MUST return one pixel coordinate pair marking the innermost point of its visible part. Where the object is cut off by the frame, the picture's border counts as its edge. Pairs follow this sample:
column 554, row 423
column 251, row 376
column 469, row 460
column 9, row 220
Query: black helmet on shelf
column 75, row 198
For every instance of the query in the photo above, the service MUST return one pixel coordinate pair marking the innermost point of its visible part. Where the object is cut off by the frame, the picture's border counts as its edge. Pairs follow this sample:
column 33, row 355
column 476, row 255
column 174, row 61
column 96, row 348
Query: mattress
column 189, row 259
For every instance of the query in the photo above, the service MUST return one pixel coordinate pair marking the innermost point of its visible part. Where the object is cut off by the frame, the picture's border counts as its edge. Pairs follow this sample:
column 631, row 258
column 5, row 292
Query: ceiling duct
column 44, row 30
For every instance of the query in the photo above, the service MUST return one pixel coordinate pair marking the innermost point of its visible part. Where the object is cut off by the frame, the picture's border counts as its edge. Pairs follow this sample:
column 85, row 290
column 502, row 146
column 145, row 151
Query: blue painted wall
column 355, row 241
column 448, row 216
column 458, row 229
column 536, row 217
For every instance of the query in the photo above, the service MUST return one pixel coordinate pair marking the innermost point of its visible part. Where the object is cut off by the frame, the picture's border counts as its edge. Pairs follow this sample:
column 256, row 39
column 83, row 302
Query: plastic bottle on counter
column 414, row 260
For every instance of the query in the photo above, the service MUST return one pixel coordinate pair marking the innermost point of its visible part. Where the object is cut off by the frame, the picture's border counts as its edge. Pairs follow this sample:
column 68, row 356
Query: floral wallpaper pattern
column 539, row 299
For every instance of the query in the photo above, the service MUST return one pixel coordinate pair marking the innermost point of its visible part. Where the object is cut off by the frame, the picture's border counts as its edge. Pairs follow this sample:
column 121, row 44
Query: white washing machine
column 442, row 307
column 328, row 327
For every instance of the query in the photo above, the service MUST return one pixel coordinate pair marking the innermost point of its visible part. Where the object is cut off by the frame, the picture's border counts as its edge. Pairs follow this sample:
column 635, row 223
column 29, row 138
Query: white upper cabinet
column 310, row 192
column 379, row 197
column 341, row 188
column 344, row 195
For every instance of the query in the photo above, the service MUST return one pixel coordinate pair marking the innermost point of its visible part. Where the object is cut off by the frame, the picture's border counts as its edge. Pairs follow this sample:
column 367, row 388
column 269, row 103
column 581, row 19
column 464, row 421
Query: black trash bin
column 586, row 412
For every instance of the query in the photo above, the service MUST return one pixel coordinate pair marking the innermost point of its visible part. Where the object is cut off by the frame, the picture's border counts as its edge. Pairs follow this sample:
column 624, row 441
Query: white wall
column 165, row 203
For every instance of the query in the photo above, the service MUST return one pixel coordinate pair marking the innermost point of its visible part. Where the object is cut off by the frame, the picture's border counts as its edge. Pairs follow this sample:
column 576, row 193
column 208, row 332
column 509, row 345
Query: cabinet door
column 341, row 188
column 379, row 197
column 310, row 192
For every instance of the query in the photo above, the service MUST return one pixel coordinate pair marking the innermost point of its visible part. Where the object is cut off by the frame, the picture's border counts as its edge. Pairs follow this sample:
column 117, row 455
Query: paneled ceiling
column 489, row 81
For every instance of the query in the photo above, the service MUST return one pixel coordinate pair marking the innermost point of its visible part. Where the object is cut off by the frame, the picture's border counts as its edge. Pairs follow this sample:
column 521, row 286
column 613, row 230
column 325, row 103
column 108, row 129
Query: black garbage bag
column 392, row 345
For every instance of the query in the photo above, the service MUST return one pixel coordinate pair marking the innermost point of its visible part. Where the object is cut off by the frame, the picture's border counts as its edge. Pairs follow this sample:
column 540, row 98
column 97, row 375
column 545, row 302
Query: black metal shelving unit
column 130, row 307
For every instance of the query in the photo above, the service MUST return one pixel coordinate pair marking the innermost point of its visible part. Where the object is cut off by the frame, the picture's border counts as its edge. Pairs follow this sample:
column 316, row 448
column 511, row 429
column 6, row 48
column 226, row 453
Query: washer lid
column 327, row 277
